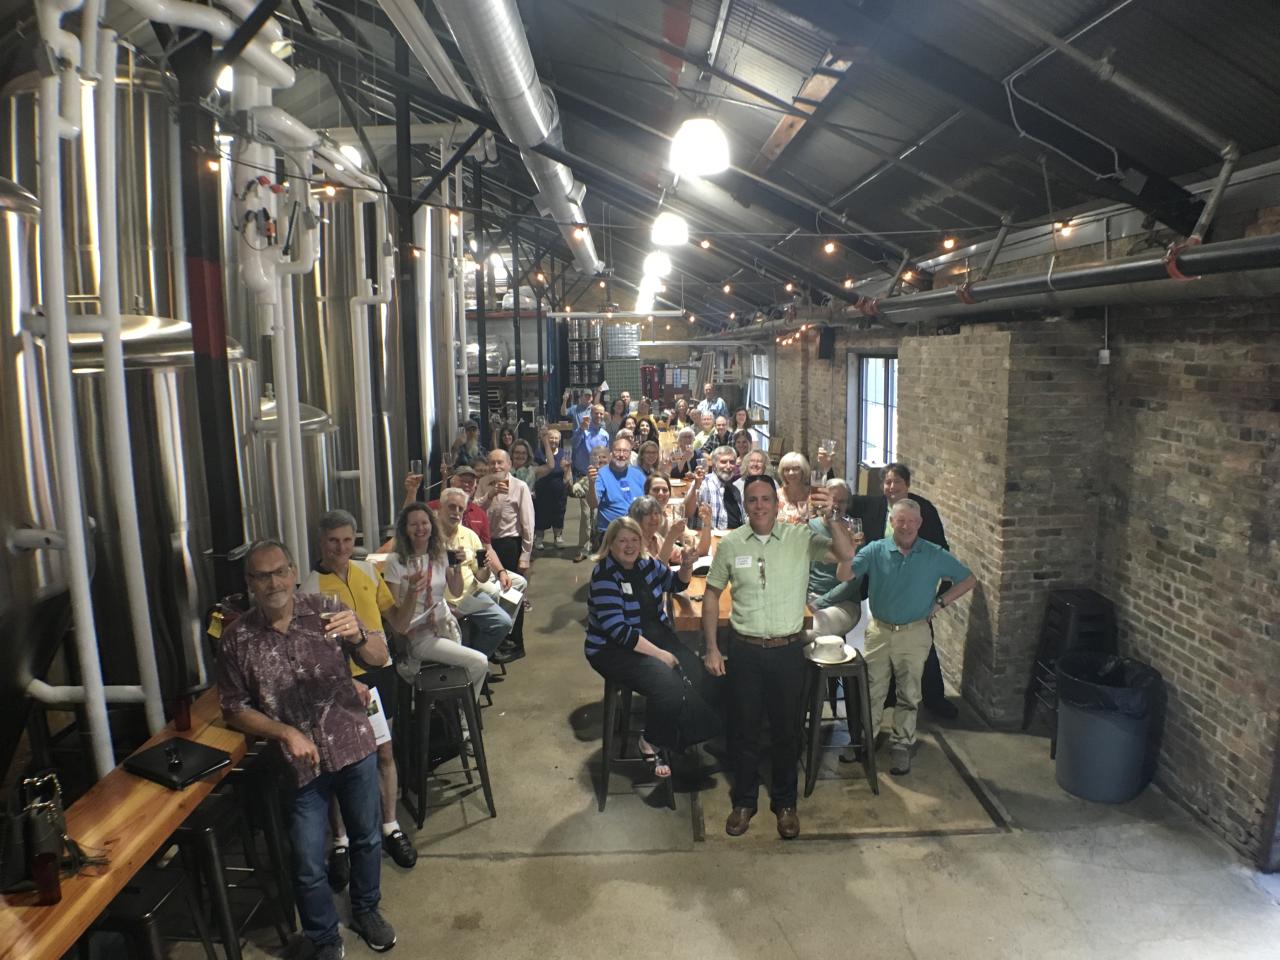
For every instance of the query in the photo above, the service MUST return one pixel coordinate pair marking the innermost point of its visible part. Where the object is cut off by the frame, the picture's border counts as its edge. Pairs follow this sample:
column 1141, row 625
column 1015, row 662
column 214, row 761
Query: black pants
column 669, row 721
column 765, row 681
column 508, row 551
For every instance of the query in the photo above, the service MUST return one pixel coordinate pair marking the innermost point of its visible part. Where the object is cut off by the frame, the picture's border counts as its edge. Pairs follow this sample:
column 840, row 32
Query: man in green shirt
column 903, row 591
column 767, row 564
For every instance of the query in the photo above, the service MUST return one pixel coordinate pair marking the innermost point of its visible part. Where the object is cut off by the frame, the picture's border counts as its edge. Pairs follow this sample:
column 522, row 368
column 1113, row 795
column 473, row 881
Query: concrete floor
column 1041, row 874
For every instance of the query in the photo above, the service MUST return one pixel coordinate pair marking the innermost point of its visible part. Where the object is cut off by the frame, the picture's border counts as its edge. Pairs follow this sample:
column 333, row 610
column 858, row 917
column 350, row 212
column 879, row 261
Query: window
column 758, row 397
column 877, row 410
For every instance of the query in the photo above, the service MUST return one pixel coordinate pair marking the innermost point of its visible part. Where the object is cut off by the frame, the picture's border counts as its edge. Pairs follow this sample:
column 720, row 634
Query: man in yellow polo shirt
column 767, row 564
column 360, row 586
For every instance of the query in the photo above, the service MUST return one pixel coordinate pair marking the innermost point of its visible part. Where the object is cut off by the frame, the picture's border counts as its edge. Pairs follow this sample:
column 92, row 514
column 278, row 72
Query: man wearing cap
column 903, row 572
column 576, row 411
column 767, row 564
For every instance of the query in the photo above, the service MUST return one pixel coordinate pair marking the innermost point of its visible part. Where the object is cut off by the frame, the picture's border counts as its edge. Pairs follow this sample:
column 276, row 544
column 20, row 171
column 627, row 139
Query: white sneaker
column 539, row 545
column 559, row 539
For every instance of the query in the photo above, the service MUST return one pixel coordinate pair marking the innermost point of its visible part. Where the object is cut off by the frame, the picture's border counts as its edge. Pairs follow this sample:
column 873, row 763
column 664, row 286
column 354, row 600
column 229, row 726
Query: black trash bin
column 1106, row 708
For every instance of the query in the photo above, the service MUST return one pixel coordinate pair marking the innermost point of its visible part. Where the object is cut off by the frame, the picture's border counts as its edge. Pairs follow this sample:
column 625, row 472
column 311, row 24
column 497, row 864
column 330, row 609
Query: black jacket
column 873, row 511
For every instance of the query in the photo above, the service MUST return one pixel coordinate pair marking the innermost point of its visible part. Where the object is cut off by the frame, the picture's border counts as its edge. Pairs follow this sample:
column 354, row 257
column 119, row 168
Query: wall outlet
column 1104, row 357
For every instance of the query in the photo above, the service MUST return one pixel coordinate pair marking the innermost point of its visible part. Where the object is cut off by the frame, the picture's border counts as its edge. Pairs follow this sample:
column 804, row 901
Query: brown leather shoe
column 738, row 821
column 788, row 823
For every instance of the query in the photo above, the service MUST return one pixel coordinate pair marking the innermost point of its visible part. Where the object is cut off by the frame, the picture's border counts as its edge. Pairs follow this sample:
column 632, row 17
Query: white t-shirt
column 430, row 591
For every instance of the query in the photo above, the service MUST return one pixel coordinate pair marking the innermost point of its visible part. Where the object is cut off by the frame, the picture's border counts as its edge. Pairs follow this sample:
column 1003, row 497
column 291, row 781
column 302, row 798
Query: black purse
column 35, row 825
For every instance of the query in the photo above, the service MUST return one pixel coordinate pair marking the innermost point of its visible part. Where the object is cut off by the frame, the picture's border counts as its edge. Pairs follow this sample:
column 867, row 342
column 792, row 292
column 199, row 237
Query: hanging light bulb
column 790, row 287
column 579, row 233
column 949, row 243
column 848, row 282
column 669, row 230
column 733, row 315
column 727, row 288
column 699, row 148
column 829, row 247
column 330, row 191
column 657, row 264
column 601, row 284
column 692, row 318
column 705, row 244
column 909, row 276
column 214, row 166
column 540, row 277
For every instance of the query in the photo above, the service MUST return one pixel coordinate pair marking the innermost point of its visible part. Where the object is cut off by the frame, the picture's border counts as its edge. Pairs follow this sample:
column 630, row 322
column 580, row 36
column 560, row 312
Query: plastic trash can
column 1106, row 707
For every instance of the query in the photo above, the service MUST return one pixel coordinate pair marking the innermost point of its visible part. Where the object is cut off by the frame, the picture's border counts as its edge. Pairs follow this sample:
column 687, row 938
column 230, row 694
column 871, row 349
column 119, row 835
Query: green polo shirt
column 902, row 588
column 771, row 605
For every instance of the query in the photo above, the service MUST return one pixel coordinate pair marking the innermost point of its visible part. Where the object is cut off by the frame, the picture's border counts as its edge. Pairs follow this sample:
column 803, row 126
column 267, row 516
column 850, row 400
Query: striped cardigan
column 613, row 615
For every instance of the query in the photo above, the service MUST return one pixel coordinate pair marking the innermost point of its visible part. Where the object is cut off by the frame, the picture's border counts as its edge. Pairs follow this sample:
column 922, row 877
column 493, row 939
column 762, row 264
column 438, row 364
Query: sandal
column 654, row 757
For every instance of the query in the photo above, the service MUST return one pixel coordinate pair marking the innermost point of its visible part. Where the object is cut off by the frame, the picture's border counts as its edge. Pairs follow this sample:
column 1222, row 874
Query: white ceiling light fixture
column 352, row 153
column 646, row 294
column 657, row 265
column 669, row 230
column 496, row 261
column 699, row 149
column 226, row 79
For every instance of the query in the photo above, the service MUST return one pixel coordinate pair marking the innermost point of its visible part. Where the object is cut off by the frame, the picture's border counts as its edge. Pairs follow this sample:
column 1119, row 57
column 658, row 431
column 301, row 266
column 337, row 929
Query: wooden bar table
column 127, row 817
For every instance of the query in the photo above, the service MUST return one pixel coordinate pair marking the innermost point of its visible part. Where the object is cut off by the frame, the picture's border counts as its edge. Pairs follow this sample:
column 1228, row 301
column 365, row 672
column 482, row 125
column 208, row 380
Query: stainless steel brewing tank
column 145, row 143
column 169, row 483
column 34, row 607
column 317, row 464
column 326, row 373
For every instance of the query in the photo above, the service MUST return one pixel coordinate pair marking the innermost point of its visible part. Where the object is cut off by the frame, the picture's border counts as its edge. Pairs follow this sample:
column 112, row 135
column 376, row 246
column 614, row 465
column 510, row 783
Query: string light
column 214, row 166
column 330, row 191
column 668, row 326
column 601, row 284
column 909, row 276
column 789, row 287
column 705, row 244
column 692, row 318
column 949, row 243
column 848, row 282
column 733, row 315
column 579, row 233
column 1063, row 228
column 727, row 288
column 568, row 309
column 829, row 247
column 540, row 277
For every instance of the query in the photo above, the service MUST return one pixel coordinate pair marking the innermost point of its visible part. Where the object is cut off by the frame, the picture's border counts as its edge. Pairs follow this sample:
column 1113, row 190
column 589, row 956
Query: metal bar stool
column 135, row 912
column 437, row 683
column 619, row 695
column 820, row 679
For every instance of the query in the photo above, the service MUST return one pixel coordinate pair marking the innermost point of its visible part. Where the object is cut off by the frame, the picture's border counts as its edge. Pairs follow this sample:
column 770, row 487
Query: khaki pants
column 901, row 654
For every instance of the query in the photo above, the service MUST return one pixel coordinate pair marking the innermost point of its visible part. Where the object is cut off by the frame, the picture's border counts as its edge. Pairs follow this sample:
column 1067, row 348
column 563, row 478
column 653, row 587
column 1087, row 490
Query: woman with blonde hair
column 793, row 493
column 631, row 640
column 647, row 457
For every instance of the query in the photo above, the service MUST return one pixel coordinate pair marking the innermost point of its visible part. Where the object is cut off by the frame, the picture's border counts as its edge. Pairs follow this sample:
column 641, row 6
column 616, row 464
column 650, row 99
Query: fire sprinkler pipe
column 119, row 451
column 60, row 120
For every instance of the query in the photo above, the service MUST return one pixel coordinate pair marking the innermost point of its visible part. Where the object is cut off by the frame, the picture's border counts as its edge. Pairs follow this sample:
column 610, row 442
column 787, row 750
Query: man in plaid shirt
column 716, row 491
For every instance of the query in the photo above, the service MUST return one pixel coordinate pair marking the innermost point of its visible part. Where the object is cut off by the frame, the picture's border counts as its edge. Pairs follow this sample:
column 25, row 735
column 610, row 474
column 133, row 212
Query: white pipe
column 242, row 8
column 291, row 133
column 299, row 191
column 53, row 128
column 360, row 356
column 119, row 450
column 257, row 55
column 89, row 27
column 66, row 696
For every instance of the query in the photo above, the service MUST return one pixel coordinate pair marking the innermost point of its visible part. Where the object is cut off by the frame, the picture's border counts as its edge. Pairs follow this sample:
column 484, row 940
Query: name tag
column 626, row 588
column 744, row 562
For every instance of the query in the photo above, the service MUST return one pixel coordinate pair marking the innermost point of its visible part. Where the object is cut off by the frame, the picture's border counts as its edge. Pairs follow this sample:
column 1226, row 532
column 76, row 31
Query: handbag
column 36, row 824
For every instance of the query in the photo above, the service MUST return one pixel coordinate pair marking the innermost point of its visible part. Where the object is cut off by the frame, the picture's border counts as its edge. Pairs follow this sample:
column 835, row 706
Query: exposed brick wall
column 1189, row 520
column 1153, row 480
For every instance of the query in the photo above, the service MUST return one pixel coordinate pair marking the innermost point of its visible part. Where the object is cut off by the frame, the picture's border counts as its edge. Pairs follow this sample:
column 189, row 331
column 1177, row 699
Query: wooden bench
column 128, row 818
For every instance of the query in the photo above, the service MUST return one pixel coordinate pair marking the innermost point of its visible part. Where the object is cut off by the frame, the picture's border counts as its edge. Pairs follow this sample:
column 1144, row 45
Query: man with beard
column 717, row 491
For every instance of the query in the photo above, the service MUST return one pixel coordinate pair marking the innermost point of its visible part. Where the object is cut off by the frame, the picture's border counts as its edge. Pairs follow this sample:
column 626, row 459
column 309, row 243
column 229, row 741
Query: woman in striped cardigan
column 630, row 640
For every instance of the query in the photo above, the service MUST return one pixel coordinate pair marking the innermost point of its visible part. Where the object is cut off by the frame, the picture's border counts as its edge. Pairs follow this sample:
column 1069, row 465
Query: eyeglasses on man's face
column 266, row 576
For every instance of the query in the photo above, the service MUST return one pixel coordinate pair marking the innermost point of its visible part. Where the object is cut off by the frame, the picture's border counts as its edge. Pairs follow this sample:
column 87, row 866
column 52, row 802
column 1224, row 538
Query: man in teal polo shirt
column 767, row 564
column 905, row 571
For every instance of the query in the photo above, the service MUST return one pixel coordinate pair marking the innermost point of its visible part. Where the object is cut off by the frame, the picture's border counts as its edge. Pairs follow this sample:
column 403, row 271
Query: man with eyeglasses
column 767, row 564
column 283, row 676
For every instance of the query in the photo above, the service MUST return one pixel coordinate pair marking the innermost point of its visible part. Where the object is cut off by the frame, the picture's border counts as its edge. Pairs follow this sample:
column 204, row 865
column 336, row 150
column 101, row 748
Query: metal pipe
column 460, row 314
column 70, row 695
column 119, row 449
column 54, row 127
column 1229, row 161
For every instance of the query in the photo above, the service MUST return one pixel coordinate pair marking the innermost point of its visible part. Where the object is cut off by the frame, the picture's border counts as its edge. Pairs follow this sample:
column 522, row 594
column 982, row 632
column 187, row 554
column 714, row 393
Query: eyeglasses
column 283, row 573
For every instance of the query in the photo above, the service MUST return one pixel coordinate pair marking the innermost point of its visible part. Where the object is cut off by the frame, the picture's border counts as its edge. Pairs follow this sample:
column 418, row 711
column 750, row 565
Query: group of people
column 304, row 664
column 787, row 544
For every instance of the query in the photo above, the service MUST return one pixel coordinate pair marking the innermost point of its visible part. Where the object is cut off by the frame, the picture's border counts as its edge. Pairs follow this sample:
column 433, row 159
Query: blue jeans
column 490, row 624
column 356, row 787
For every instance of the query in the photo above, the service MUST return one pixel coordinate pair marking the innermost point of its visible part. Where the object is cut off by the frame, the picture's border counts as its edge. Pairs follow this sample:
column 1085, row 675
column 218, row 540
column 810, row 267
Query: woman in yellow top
column 360, row 586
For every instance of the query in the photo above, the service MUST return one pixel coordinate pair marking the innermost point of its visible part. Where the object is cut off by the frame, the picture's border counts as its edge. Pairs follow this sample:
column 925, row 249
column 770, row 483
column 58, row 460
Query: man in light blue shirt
column 575, row 412
column 617, row 485
column 712, row 404
column 590, row 433
column 904, row 573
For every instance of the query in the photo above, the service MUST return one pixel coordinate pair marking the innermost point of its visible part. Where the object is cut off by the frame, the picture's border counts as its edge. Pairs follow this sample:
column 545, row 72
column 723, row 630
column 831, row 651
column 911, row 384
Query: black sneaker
column 339, row 869
column 400, row 849
column 333, row 950
column 374, row 930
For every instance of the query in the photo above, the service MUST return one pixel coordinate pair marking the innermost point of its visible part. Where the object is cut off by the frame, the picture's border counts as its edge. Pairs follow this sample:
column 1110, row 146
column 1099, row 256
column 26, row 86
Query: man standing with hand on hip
column 283, row 675
column 903, row 573
column 767, row 563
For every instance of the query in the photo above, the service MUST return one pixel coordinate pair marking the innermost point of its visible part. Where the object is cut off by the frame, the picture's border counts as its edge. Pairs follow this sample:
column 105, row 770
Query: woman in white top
column 420, row 572
column 793, row 494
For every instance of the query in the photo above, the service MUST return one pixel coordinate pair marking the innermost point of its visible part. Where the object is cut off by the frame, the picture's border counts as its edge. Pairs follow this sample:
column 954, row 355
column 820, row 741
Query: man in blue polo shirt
column 616, row 486
column 905, row 571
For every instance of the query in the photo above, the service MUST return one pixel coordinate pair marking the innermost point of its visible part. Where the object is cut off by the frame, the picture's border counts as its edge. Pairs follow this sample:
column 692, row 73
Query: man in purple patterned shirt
column 283, row 676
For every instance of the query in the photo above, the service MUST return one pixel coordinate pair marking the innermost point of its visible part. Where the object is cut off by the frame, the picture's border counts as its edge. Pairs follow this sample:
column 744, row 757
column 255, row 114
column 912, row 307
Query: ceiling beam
column 813, row 92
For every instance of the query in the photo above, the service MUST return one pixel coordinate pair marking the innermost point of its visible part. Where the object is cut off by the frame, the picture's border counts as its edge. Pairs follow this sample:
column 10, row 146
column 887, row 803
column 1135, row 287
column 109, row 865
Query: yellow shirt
column 364, row 591
column 467, row 539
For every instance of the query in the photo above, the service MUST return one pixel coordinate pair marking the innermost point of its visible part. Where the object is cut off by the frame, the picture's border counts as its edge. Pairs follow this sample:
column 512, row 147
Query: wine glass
column 415, row 467
column 334, row 599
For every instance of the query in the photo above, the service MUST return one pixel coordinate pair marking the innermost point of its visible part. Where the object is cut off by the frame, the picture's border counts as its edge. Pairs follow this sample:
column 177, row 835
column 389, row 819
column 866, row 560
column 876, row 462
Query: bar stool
column 199, row 842
column 821, row 677
column 450, row 687
column 135, row 912
column 254, row 783
column 619, row 695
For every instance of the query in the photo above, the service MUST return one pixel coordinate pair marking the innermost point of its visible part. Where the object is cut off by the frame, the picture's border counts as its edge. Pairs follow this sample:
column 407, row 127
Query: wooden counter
column 127, row 817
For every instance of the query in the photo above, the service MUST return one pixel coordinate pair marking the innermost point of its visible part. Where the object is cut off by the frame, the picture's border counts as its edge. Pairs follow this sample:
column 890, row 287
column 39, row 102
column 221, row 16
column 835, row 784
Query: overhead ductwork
column 492, row 40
